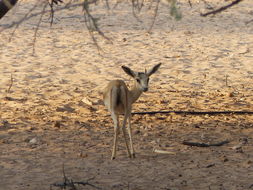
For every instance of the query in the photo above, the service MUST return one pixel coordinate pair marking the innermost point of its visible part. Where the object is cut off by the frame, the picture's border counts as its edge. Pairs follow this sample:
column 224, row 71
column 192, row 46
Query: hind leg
column 124, row 134
column 116, row 133
column 130, row 136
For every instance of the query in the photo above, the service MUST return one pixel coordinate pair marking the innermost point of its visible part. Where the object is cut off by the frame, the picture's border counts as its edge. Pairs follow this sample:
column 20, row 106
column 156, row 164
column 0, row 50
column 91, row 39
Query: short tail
column 115, row 97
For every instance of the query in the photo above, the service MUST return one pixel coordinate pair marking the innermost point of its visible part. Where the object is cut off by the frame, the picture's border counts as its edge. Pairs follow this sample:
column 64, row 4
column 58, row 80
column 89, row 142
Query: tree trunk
column 5, row 6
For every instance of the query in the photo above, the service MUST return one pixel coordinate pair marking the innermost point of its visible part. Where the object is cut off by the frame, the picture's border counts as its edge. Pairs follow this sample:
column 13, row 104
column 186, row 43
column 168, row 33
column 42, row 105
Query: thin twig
column 16, row 24
column 154, row 18
column 190, row 3
column 226, row 80
column 137, row 5
column 26, row 17
column 88, row 26
column 37, row 27
column 11, row 83
column 91, row 24
column 63, row 172
column 133, row 10
column 221, row 8
column 70, row 183
column 51, row 4
column 198, row 144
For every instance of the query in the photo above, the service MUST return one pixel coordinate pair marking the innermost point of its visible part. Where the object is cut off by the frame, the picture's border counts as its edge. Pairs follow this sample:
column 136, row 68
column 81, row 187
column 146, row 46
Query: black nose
column 145, row 89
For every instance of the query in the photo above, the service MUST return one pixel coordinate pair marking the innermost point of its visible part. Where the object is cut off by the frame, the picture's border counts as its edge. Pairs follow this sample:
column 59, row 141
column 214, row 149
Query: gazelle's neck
column 135, row 92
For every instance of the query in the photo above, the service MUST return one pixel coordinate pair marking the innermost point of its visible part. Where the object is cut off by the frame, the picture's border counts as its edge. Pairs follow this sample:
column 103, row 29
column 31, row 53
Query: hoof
column 133, row 155
column 113, row 158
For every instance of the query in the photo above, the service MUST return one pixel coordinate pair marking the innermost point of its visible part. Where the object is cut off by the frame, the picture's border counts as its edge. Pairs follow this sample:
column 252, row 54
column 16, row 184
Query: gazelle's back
column 115, row 96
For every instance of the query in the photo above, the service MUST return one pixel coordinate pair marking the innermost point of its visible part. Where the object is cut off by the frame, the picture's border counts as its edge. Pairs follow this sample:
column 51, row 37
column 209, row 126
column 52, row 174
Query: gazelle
column 119, row 99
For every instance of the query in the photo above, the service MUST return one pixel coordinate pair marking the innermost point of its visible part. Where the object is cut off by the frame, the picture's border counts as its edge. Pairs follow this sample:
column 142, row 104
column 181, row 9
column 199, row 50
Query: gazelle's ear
column 128, row 71
column 154, row 69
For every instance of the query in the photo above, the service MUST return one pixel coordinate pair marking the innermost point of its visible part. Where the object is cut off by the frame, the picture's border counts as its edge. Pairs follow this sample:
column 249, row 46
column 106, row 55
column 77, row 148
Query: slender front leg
column 124, row 134
column 116, row 133
column 130, row 136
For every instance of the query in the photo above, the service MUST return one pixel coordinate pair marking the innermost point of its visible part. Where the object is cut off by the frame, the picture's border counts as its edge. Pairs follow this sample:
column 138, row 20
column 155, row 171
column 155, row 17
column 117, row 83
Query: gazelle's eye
column 138, row 80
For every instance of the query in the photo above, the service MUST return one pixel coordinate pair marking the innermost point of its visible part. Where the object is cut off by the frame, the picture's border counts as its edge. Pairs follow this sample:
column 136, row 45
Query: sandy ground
column 53, row 114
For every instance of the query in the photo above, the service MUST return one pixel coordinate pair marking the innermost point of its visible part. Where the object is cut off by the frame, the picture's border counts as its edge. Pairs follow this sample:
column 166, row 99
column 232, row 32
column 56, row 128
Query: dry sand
column 207, row 65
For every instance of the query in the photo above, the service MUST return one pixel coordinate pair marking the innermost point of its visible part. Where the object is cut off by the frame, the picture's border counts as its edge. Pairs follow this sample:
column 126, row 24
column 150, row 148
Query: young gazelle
column 119, row 99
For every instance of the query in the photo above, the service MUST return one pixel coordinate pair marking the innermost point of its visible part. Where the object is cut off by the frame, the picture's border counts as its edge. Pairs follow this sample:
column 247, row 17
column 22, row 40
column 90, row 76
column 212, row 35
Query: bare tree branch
column 198, row 144
column 91, row 23
column 31, row 15
column 72, row 184
column 38, row 25
column 16, row 24
column 135, row 5
column 155, row 15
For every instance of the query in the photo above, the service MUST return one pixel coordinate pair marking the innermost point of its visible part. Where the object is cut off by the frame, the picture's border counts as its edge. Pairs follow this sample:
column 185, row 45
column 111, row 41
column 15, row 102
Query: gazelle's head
column 141, row 78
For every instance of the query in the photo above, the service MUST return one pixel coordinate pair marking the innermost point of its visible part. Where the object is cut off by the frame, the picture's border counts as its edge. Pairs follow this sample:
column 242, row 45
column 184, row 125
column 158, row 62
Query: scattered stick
column 11, row 83
column 210, row 165
column 163, row 151
column 196, row 112
column 226, row 80
column 70, row 183
column 16, row 99
column 221, row 8
column 205, row 144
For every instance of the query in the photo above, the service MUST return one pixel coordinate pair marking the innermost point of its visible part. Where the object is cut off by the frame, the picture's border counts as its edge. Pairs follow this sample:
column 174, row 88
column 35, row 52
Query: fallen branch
column 196, row 112
column 70, row 183
column 204, row 144
column 221, row 8
column 15, row 99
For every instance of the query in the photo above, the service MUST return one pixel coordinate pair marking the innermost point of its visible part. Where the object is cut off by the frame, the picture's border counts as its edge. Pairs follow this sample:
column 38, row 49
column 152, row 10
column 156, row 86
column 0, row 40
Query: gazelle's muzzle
column 145, row 89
